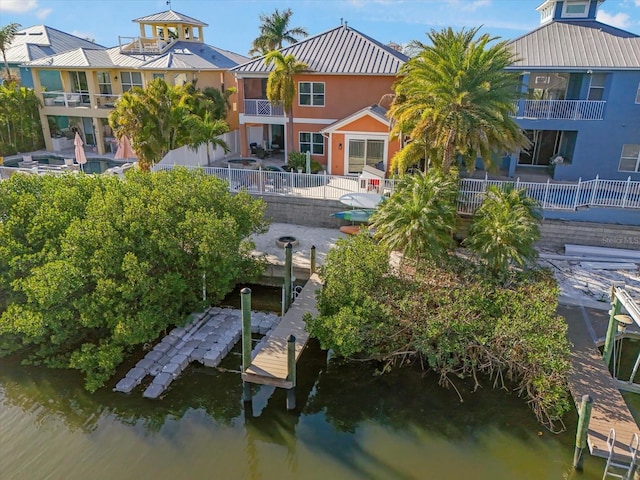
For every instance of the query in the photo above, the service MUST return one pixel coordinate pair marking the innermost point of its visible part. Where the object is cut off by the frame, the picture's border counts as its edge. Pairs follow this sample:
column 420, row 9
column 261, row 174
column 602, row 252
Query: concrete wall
column 555, row 233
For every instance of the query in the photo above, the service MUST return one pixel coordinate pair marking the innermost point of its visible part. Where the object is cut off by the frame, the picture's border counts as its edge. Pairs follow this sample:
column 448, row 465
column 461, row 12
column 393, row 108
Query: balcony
column 66, row 99
column 262, row 108
column 561, row 109
column 142, row 45
column 106, row 101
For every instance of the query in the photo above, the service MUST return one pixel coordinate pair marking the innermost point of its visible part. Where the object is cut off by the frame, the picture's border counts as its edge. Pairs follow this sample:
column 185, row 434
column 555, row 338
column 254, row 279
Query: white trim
column 263, row 119
column 352, row 118
column 565, row 14
column 314, row 121
column 324, row 94
column 638, row 95
column 363, row 136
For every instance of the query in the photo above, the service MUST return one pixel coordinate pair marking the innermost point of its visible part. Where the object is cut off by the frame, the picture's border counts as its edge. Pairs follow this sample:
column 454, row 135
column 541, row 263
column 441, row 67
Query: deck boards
column 589, row 376
column 269, row 365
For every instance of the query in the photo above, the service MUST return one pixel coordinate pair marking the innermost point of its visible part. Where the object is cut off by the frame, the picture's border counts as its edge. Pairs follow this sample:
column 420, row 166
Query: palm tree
column 6, row 37
column 504, row 229
column 274, row 30
column 161, row 118
column 420, row 217
column 456, row 97
column 281, row 86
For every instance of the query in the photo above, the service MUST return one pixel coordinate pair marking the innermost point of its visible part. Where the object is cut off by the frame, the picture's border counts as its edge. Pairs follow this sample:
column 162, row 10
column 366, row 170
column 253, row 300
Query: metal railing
column 563, row 109
column 106, row 101
column 557, row 196
column 65, row 99
column 262, row 108
column 143, row 44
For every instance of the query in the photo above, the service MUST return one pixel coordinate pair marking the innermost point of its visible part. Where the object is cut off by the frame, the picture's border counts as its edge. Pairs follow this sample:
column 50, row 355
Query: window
column 130, row 80
column 311, row 93
column 596, row 87
column 312, row 142
column 630, row 158
column 365, row 152
column 575, row 9
column 104, row 83
column 158, row 75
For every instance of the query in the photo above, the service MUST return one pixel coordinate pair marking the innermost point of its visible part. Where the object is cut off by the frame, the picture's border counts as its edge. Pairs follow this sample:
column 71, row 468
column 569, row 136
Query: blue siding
column 599, row 142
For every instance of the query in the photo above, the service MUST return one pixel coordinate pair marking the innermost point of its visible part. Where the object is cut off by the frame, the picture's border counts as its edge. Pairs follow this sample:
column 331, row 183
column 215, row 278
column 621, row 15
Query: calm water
column 350, row 424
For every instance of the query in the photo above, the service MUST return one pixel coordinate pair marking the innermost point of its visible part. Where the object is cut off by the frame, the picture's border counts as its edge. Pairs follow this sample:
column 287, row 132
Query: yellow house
column 78, row 88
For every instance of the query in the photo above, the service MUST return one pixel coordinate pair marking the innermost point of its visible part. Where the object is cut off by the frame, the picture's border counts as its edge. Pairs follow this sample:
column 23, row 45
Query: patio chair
column 261, row 152
column 254, row 148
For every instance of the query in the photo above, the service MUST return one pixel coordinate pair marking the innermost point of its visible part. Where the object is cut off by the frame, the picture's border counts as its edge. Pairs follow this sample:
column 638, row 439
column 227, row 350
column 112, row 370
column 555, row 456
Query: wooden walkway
column 269, row 364
column 590, row 376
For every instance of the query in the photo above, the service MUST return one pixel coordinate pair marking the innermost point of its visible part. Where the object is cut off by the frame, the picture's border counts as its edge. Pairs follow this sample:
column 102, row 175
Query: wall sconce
column 339, row 146
column 116, row 77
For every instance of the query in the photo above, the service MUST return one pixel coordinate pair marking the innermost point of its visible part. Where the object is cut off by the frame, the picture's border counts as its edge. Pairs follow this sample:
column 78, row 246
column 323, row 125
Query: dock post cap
column 291, row 338
column 245, row 290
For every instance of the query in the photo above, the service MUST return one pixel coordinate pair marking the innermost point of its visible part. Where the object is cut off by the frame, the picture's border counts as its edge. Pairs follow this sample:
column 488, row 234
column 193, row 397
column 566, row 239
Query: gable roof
column 341, row 50
column 565, row 44
column 181, row 56
column 170, row 16
column 40, row 41
column 374, row 111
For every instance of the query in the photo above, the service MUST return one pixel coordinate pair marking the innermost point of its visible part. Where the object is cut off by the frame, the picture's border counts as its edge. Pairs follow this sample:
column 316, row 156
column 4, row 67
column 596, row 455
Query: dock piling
column 610, row 339
column 288, row 259
column 245, row 295
column 313, row 260
column 291, row 369
column 581, row 433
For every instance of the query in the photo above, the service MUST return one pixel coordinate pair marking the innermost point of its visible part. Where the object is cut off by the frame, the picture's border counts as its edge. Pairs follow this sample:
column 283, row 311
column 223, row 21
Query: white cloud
column 44, row 13
column 468, row 6
column 18, row 6
column 620, row 20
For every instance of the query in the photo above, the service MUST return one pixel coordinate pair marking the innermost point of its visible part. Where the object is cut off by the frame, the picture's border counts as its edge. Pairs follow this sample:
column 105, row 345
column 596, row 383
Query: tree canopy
column 449, row 318
column 91, row 266
column 161, row 118
column 274, row 30
column 455, row 97
column 6, row 37
column 20, row 129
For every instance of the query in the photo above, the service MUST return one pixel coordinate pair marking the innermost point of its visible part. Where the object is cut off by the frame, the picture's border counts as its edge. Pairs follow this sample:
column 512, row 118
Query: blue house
column 582, row 105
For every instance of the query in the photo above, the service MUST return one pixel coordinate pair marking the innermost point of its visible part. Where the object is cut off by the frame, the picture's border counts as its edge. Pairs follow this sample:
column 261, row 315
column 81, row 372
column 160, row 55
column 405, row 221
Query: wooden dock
column 590, row 376
column 269, row 364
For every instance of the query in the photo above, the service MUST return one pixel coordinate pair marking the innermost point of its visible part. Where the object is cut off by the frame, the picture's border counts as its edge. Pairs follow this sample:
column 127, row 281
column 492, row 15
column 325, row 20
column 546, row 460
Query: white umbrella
column 81, row 159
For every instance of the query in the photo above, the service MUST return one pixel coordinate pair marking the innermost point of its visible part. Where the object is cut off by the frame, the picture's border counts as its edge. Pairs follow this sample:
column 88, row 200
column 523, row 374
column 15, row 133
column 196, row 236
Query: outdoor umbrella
column 124, row 149
column 81, row 159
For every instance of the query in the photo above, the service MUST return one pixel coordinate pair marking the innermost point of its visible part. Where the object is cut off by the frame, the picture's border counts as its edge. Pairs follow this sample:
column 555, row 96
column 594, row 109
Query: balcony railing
column 562, row 109
column 106, row 101
column 66, row 99
column 143, row 44
column 262, row 108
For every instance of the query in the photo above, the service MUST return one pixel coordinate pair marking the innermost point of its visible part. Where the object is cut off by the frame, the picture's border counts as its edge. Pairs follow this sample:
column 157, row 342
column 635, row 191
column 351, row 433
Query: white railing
column 263, row 108
column 65, row 99
column 143, row 45
column 106, row 101
column 551, row 196
column 563, row 109
column 557, row 196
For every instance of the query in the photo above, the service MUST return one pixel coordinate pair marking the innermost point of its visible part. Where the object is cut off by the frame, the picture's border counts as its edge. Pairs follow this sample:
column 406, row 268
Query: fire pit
column 282, row 241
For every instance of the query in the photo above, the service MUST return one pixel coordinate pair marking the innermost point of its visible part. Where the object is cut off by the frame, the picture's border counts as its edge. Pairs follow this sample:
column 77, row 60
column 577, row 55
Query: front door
column 363, row 152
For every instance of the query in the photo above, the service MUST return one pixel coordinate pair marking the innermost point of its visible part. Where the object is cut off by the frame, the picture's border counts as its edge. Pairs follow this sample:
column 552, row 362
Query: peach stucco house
column 336, row 115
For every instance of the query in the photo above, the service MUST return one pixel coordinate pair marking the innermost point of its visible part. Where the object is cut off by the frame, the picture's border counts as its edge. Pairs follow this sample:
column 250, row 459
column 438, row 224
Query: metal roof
column 40, row 40
column 341, row 50
column 181, row 56
column 577, row 45
column 169, row 16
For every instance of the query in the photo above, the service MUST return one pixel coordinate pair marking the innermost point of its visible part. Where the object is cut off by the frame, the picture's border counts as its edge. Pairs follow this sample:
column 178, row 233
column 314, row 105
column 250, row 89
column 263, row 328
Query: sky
column 233, row 24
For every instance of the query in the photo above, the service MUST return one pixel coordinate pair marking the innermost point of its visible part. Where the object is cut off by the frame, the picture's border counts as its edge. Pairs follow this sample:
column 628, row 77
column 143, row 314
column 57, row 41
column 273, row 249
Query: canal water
column 351, row 423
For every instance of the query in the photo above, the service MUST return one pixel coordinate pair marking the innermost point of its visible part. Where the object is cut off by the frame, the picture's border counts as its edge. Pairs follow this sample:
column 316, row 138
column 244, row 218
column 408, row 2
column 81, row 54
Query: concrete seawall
column 555, row 233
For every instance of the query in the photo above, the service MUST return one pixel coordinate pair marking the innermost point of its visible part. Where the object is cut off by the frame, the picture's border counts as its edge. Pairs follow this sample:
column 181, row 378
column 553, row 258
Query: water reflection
column 349, row 423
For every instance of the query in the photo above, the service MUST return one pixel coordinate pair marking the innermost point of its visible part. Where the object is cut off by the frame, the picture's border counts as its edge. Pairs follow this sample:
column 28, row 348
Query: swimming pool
column 93, row 165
